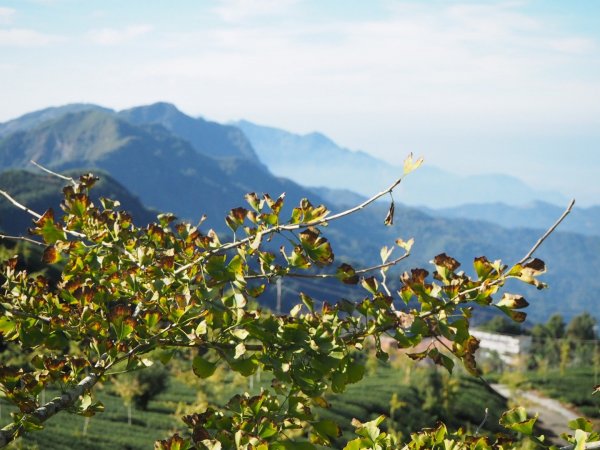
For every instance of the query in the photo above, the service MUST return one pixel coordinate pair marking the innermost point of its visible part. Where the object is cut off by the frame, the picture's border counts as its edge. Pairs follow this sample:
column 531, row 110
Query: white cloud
column 6, row 15
column 241, row 10
column 24, row 37
column 113, row 36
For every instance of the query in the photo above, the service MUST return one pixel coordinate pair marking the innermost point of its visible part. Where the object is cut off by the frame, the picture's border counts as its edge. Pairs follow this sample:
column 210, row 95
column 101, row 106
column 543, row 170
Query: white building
column 507, row 347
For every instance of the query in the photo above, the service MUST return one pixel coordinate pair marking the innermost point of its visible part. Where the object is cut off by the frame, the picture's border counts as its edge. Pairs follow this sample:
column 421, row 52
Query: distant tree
column 555, row 327
column 582, row 327
column 127, row 388
column 502, row 325
column 152, row 382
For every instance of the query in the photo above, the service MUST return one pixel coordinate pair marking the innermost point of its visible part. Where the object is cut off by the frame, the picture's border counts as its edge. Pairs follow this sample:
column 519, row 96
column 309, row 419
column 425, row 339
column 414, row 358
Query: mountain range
column 315, row 160
column 157, row 157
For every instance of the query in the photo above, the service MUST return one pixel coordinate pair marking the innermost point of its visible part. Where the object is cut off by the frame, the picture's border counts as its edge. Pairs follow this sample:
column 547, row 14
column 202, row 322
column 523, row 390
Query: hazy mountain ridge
column 315, row 160
column 532, row 215
column 210, row 138
column 165, row 172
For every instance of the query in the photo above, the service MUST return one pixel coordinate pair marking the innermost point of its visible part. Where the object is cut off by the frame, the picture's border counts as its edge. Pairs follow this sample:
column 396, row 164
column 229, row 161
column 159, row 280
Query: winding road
column 553, row 416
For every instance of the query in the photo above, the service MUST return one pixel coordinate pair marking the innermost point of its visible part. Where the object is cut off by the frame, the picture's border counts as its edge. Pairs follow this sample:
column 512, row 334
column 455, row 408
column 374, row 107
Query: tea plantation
column 413, row 397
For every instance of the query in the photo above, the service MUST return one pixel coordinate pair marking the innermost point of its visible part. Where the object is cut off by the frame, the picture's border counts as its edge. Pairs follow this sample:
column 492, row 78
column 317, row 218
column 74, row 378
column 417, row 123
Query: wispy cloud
column 25, row 37
column 114, row 36
column 241, row 10
column 6, row 15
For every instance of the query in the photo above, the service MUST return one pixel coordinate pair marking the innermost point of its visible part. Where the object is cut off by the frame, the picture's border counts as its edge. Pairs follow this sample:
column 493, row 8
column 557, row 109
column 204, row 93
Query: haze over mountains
column 315, row 160
column 191, row 166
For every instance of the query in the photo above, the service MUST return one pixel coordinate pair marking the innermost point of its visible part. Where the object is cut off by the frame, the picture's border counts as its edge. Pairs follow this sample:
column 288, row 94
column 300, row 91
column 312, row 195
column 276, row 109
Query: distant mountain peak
column 209, row 138
column 35, row 118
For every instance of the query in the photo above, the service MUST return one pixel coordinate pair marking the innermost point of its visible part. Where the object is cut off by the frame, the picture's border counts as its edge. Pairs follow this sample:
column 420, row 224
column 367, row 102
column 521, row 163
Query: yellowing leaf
column 410, row 165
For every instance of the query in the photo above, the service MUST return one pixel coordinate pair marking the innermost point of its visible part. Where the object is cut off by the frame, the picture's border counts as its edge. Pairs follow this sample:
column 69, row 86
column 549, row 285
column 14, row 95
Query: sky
column 474, row 86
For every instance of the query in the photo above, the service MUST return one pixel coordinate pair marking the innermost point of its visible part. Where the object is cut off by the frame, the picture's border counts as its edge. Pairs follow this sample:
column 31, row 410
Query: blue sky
column 475, row 87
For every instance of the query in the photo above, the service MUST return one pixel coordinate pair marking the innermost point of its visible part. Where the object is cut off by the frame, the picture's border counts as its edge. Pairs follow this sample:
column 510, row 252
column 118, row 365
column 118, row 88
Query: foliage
column 126, row 291
column 556, row 344
column 500, row 324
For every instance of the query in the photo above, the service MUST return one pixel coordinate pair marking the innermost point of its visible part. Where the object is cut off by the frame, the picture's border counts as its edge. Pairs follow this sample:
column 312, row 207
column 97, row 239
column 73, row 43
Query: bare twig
column 62, row 177
column 485, row 417
column 589, row 445
column 20, row 205
column 460, row 297
column 22, row 238
column 547, row 233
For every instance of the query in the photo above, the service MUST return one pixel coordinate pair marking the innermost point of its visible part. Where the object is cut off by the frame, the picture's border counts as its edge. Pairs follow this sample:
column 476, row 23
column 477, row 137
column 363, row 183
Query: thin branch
column 37, row 215
column 20, row 313
column 589, row 445
column 289, row 227
column 62, row 177
column 22, row 238
column 485, row 417
column 331, row 275
column 457, row 299
column 43, row 413
column 20, row 206
column 548, row 233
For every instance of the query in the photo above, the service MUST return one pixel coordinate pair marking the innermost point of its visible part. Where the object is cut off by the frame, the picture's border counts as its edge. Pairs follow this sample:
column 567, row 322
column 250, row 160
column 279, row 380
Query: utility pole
column 278, row 283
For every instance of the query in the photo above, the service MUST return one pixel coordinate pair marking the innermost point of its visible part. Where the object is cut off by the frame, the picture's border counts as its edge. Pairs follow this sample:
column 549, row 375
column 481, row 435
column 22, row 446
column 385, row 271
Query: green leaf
column 346, row 274
column 316, row 247
column 516, row 419
column 327, row 429
column 48, row 229
column 581, row 424
column 292, row 445
column 338, row 382
column 202, row 367
column 7, row 326
column 357, row 444
column 246, row 367
column 355, row 372
column 308, row 302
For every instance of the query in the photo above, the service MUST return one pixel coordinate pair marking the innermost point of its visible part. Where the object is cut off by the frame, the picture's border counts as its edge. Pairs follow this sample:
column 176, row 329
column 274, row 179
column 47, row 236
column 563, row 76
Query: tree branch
column 22, row 238
column 547, row 233
column 20, row 206
column 62, row 177
column 43, row 413
column 331, row 275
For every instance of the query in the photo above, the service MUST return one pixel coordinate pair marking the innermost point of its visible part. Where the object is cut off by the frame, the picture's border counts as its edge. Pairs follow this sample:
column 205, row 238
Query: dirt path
column 553, row 415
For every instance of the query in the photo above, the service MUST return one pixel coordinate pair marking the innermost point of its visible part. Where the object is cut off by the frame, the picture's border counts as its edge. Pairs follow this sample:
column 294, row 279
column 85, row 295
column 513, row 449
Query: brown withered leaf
column 536, row 266
column 88, row 180
column 51, row 255
column 513, row 301
column 446, row 261
column 417, row 276
column 389, row 219
column 417, row 356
